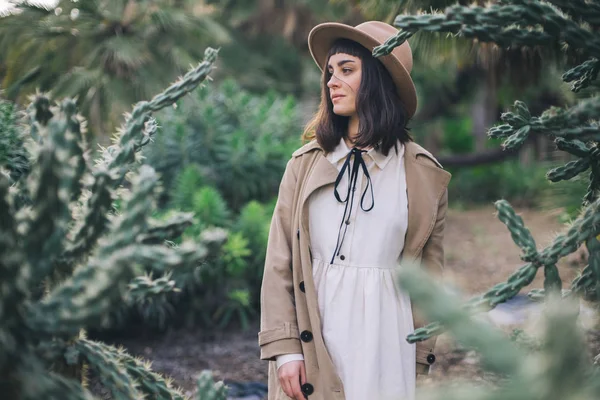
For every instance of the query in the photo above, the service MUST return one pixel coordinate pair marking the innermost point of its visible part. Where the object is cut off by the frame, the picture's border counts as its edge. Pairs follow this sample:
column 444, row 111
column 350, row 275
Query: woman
column 356, row 200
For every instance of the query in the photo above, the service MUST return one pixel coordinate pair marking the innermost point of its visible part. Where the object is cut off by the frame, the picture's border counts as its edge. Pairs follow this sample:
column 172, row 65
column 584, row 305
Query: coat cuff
column 270, row 350
column 285, row 331
column 425, row 356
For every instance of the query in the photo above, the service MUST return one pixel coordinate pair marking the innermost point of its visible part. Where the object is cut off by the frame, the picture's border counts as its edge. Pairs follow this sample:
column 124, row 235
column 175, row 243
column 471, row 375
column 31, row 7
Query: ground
column 479, row 254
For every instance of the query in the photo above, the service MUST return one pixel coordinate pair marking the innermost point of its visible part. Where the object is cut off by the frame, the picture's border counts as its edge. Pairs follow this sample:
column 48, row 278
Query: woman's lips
column 337, row 96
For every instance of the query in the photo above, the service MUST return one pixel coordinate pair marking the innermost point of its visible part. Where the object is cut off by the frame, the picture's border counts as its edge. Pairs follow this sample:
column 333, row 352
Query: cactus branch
column 440, row 306
column 581, row 10
column 144, row 287
column 494, row 23
column 582, row 75
column 174, row 227
column 109, row 368
column 150, row 383
column 117, row 159
column 586, row 226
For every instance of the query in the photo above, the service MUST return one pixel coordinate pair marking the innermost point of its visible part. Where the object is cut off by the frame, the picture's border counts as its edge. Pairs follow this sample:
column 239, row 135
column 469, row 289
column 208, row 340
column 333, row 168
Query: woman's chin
column 342, row 112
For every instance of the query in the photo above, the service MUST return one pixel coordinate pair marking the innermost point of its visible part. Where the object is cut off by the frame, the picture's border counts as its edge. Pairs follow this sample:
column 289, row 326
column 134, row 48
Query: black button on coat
column 306, row 336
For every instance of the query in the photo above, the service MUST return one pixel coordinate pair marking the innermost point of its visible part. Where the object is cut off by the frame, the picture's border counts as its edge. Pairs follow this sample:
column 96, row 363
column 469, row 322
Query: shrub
column 239, row 142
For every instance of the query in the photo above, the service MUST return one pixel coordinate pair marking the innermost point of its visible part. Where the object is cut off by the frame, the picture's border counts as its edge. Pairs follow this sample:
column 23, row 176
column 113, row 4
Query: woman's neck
column 352, row 132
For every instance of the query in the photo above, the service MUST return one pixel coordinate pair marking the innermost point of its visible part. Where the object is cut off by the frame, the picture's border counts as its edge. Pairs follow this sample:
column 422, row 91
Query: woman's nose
column 333, row 81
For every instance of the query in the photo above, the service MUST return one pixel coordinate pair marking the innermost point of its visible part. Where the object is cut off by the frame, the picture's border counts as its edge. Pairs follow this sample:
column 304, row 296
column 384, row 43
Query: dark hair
column 382, row 116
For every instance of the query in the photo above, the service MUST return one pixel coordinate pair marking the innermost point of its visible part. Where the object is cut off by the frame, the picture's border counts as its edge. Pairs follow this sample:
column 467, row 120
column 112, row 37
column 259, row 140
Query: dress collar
column 342, row 150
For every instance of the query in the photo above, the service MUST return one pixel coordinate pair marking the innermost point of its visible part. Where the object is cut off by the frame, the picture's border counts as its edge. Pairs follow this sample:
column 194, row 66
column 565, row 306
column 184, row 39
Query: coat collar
column 426, row 182
column 342, row 150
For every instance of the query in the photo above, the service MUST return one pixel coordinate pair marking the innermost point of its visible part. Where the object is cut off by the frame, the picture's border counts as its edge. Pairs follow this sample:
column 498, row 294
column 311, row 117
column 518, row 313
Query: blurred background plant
column 549, row 360
column 229, row 139
column 107, row 54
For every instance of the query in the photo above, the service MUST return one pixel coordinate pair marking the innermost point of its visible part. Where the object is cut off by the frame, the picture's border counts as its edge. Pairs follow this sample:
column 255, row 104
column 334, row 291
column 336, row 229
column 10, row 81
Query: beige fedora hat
column 370, row 34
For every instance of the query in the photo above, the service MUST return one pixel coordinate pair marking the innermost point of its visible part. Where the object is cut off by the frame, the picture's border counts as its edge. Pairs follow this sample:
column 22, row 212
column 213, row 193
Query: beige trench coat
column 290, row 320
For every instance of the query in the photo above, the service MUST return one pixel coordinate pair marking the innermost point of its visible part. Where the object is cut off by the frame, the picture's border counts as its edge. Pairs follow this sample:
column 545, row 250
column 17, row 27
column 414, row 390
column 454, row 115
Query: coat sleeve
column 433, row 262
column 433, row 251
column 278, row 324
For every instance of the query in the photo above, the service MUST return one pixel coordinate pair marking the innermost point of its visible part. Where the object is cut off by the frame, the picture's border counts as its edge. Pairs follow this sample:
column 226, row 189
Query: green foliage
column 458, row 135
column 67, row 262
column 210, row 207
column 253, row 223
column 187, row 183
column 238, row 302
column 508, row 180
column 107, row 54
column 239, row 142
column 234, row 252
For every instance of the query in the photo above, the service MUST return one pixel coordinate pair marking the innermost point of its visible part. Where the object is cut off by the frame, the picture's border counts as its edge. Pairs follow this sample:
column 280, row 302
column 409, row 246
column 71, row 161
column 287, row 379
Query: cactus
column 556, row 368
column 67, row 260
column 572, row 25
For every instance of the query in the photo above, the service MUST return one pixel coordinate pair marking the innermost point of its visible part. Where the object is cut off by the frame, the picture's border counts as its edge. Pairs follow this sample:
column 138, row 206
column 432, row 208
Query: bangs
column 347, row 46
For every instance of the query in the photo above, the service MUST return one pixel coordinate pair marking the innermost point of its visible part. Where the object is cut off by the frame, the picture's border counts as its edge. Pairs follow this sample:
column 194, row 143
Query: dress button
column 302, row 286
column 430, row 358
column 307, row 389
column 347, row 222
column 342, row 257
column 306, row 336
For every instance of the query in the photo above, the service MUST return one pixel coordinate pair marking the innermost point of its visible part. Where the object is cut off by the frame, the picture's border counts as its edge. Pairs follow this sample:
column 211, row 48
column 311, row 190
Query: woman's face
column 343, row 85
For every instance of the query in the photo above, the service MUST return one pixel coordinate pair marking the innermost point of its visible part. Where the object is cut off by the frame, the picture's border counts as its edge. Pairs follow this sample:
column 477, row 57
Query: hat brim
column 322, row 37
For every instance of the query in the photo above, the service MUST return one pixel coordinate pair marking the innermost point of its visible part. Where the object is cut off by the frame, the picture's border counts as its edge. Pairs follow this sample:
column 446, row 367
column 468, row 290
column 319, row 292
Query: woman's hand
column 291, row 376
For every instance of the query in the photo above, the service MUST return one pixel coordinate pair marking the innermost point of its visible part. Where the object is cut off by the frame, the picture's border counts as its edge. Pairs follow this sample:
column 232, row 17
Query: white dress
column 365, row 317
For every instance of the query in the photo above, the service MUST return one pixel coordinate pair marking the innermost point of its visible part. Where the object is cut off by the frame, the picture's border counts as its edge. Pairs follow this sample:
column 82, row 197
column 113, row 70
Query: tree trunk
column 483, row 111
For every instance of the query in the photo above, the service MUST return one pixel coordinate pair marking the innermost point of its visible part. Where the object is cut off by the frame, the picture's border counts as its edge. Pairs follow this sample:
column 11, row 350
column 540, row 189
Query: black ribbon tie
column 359, row 163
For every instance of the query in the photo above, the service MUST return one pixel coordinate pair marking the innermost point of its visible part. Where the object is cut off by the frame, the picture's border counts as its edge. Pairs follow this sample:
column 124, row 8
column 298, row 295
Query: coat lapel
column 322, row 173
column 425, row 186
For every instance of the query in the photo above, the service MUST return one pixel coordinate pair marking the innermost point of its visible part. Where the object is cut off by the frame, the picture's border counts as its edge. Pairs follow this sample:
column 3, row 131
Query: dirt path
column 480, row 251
column 479, row 254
